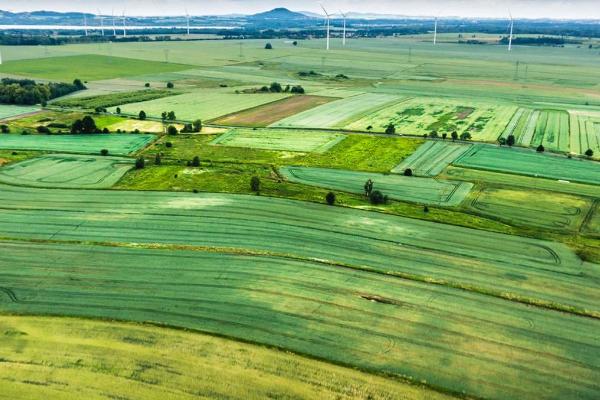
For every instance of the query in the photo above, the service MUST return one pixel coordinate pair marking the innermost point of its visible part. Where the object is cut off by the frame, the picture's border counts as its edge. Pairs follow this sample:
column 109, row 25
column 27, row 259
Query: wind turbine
column 187, row 18
column 510, row 37
column 124, row 30
column 85, row 24
column 113, row 22
column 435, row 32
column 328, row 16
column 0, row 57
column 344, row 34
column 101, row 21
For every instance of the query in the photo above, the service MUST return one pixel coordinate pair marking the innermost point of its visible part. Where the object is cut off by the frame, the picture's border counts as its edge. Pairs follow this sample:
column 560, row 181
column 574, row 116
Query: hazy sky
column 466, row 8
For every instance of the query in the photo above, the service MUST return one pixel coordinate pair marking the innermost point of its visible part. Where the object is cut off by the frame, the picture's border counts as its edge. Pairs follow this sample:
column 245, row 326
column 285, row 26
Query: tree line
column 28, row 92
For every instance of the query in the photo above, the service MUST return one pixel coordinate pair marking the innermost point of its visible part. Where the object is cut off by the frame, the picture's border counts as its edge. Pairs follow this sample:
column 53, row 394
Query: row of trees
column 28, row 92
column 276, row 87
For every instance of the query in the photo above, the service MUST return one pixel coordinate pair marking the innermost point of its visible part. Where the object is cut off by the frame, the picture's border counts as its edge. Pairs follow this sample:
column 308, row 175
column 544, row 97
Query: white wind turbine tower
column 101, row 22
column 85, row 24
column 344, row 34
column 328, row 16
column 113, row 23
column 124, row 28
column 187, row 19
column 510, row 37
column 435, row 32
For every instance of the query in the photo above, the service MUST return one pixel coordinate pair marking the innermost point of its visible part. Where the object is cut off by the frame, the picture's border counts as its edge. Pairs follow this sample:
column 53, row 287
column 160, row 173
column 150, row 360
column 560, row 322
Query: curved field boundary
column 117, row 144
column 372, row 322
column 149, row 362
column 413, row 189
column 67, row 171
column 337, row 113
column 432, row 158
column 388, row 244
column 9, row 111
column 528, row 162
column 280, row 139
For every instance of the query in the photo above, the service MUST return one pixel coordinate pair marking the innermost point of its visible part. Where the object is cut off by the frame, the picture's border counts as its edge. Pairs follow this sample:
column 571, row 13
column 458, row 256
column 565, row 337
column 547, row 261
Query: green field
column 413, row 189
column 9, row 111
column 274, row 139
column 431, row 158
column 119, row 360
column 67, row 171
column 114, row 99
column 116, row 144
column 526, row 162
column 202, row 104
column 365, row 320
column 533, row 208
column 336, row 114
column 85, row 67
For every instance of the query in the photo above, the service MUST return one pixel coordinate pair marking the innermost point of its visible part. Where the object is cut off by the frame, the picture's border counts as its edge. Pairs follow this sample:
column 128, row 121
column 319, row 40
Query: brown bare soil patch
column 270, row 113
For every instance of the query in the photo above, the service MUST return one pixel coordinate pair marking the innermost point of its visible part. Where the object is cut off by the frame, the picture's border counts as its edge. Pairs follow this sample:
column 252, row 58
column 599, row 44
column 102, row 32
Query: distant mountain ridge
column 279, row 13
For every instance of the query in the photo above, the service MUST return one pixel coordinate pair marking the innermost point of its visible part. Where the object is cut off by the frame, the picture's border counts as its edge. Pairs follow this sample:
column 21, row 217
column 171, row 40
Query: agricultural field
column 593, row 223
column 116, row 144
column 113, row 99
column 365, row 320
column 413, row 189
column 585, row 132
column 431, row 158
column 336, row 114
column 146, row 126
column 67, row 171
column 528, row 162
column 268, row 114
column 533, row 208
column 302, row 141
column 118, row 360
column 85, row 67
column 10, row 111
column 202, row 104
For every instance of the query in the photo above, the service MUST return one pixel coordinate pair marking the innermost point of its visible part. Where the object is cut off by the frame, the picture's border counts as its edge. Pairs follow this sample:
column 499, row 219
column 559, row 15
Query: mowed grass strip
column 268, row 114
column 10, row 111
column 119, row 360
column 337, row 114
column 280, row 139
column 528, row 162
column 86, row 67
column 432, row 158
column 116, row 144
column 398, row 187
column 529, row 207
column 549, row 273
column 204, row 104
column 367, row 321
column 67, row 171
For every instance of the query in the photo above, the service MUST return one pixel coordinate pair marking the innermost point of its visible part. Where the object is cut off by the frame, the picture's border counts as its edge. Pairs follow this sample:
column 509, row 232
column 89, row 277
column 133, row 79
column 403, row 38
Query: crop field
column 431, row 158
column 533, row 208
column 202, row 104
column 585, row 133
column 116, row 144
column 528, row 162
column 337, row 114
column 280, row 139
column 593, row 223
column 85, row 67
column 268, row 114
column 118, row 360
column 421, row 116
column 413, row 189
column 114, row 99
column 9, row 111
column 67, row 171
column 364, row 320
column 131, row 125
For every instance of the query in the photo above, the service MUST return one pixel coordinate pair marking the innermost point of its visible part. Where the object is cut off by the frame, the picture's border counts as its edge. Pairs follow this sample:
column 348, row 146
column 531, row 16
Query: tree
column 275, row 87
column 370, row 128
column 4, row 128
column 170, row 85
column 142, row 115
column 118, row 110
column 298, row 89
column 295, row 43
column 255, row 184
column 425, row 209
column 163, row 116
column 140, row 163
column 157, row 159
column 196, row 161
column 376, row 197
column 78, row 84
column 502, row 141
column 391, row 129
column 88, row 125
column 168, row 145
column 454, row 136
column 510, row 141
column 330, row 198
column 540, row 149
column 408, row 172
column 589, row 153
column 171, row 130
column 77, row 126
column 197, row 125
column 433, row 134
column 171, row 116
column 444, row 136
column 147, row 84
column 465, row 136
column 43, row 129
column 104, row 152
column 368, row 188
column 268, row 46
